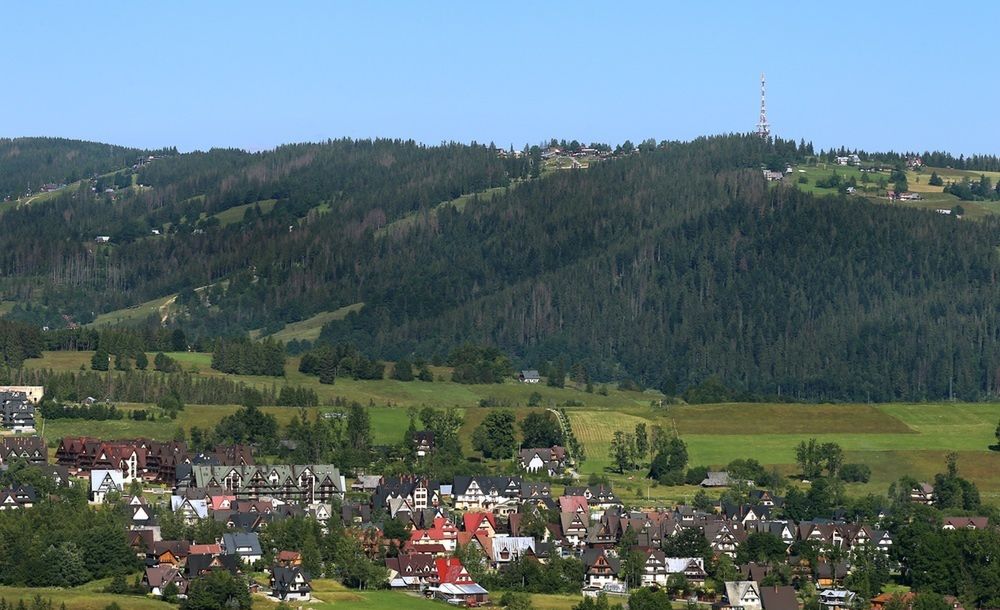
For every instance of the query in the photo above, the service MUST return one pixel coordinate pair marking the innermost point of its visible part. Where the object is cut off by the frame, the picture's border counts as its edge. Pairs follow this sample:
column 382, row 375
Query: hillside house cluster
column 142, row 459
column 506, row 518
column 238, row 551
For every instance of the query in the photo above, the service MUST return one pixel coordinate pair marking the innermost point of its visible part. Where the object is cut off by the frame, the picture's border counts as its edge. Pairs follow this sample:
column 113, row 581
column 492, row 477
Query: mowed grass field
column 329, row 594
column 893, row 439
column 83, row 598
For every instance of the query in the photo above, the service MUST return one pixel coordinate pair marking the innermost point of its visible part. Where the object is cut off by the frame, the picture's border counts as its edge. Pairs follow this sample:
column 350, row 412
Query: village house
column 724, row 537
column 19, row 496
column 716, row 479
column 601, row 569
column 423, row 443
column 245, row 546
column 103, row 482
column 17, row 413
column 309, row 483
column 191, row 510
column 288, row 559
column 922, row 493
column 506, row 549
column 290, row 584
column 156, row 578
column 574, row 527
column 743, row 594
column 443, row 536
column 550, row 461
column 776, row 597
column 836, row 599
column 412, row 572
column 599, row 497
column 497, row 494
column 455, row 586
column 965, row 523
column 34, row 393
column 658, row 568
column 170, row 552
column 407, row 494
column 31, row 449
column 529, row 376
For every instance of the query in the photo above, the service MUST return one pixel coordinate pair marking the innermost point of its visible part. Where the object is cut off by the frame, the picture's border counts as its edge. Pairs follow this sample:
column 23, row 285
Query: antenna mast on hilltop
column 763, row 129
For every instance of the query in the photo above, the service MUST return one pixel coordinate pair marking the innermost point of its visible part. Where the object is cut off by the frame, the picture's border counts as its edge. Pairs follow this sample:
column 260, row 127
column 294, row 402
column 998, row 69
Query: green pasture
column 439, row 393
column 235, row 213
column 407, row 222
column 893, row 439
column 932, row 197
column 309, row 329
column 136, row 314
column 85, row 597
column 329, row 594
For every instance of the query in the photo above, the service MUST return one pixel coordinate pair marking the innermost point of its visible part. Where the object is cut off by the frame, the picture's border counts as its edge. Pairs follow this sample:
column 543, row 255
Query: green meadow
column 932, row 197
column 893, row 439
column 309, row 329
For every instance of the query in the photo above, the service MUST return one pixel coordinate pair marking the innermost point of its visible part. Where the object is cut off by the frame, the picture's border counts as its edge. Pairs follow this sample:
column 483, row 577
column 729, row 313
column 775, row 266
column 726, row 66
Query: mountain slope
column 28, row 163
column 669, row 266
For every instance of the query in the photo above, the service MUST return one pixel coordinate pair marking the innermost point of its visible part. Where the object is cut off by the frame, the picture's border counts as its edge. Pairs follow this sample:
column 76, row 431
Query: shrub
column 855, row 473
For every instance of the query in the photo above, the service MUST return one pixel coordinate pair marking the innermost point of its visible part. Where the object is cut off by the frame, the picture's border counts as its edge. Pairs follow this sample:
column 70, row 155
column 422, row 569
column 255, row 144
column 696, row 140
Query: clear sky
column 872, row 75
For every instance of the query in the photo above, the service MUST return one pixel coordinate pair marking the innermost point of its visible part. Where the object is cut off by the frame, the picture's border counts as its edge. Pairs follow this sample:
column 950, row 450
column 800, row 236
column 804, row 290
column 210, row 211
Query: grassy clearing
column 331, row 594
column 440, row 393
column 894, row 439
column 136, row 314
column 409, row 221
column 82, row 598
column 235, row 213
column 309, row 329
column 932, row 197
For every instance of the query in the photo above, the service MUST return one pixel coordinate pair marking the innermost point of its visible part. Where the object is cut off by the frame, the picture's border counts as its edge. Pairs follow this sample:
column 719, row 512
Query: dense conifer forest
column 29, row 163
column 674, row 266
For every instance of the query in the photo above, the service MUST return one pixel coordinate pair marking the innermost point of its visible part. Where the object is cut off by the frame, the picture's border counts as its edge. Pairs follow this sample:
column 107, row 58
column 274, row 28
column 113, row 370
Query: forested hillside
column 28, row 163
column 671, row 266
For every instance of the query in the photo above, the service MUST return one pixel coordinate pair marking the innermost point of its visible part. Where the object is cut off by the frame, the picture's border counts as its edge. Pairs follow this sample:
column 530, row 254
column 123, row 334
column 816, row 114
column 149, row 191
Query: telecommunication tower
column 763, row 129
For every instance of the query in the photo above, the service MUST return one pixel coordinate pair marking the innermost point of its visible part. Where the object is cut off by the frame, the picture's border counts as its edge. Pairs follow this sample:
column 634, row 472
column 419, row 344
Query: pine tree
column 100, row 360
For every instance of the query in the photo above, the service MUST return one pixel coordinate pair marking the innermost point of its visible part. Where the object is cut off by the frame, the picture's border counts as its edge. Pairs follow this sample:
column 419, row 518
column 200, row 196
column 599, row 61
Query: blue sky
column 886, row 75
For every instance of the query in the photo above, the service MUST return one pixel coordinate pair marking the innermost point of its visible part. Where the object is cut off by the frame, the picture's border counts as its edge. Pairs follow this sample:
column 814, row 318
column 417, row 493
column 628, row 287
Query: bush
column 855, row 473
column 695, row 475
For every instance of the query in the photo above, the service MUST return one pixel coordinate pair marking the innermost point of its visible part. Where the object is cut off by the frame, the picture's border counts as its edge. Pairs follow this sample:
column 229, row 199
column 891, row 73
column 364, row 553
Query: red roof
column 452, row 571
column 572, row 504
column 474, row 521
column 442, row 530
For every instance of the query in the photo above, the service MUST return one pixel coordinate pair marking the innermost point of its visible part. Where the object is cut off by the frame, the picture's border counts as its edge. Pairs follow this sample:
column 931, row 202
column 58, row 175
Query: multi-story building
column 307, row 483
